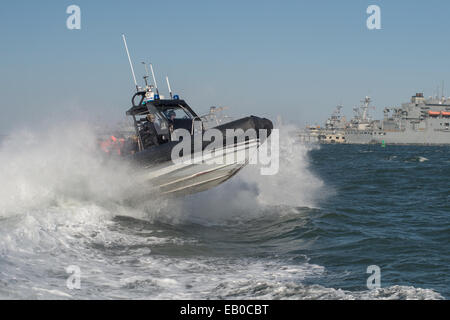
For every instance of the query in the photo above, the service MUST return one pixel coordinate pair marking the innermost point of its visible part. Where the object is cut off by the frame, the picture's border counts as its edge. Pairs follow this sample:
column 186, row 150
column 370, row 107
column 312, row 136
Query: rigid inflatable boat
column 169, row 141
column 203, row 163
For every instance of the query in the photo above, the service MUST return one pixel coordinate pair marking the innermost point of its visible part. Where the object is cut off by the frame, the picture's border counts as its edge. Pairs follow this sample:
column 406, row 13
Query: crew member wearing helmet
column 171, row 117
column 149, row 132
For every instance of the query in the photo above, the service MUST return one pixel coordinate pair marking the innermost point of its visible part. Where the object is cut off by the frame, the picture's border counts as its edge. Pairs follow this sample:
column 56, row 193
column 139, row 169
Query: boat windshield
column 178, row 116
column 176, row 112
column 159, row 122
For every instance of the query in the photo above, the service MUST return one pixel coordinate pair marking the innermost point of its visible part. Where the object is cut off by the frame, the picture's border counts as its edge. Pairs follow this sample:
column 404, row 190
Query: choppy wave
column 62, row 205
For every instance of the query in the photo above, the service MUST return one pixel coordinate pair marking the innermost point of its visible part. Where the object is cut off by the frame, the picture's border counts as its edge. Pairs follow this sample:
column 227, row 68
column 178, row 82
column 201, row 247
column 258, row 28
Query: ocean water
column 309, row 232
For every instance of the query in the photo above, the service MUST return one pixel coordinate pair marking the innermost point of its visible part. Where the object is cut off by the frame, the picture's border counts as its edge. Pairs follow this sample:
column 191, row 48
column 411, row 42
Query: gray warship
column 422, row 121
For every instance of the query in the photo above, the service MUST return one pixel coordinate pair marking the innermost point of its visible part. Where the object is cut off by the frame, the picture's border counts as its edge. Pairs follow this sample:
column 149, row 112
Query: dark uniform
column 131, row 146
column 149, row 135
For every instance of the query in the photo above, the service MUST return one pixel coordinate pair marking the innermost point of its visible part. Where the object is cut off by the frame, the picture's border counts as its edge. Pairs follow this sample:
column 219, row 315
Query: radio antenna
column 131, row 64
column 154, row 80
column 146, row 74
column 168, row 85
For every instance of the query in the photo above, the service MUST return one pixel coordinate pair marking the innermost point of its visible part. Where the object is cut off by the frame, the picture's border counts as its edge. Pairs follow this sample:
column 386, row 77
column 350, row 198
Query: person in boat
column 112, row 145
column 131, row 145
column 171, row 119
column 149, row 132
column 171, row 116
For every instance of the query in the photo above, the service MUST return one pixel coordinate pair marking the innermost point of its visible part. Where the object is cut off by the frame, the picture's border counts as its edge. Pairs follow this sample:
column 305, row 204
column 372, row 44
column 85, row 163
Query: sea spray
column 63, row 163
column 67, row 210
column 250, row 194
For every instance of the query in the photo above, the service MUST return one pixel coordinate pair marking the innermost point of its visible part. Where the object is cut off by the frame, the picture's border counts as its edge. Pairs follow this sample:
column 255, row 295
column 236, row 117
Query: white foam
column 47, row 292
column 249, row 194
column 39, row 169
column 57, row 207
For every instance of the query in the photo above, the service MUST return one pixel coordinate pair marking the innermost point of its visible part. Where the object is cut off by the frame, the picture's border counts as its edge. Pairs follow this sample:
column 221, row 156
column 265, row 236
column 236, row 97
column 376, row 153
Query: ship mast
column 365, row 108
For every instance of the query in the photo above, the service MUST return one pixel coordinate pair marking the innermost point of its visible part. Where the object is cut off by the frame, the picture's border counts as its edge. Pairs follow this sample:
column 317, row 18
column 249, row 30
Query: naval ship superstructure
column 333, row 132
column 424, row 121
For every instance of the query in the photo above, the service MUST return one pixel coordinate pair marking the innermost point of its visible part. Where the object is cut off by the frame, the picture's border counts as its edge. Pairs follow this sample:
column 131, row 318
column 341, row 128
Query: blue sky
column 297, row 59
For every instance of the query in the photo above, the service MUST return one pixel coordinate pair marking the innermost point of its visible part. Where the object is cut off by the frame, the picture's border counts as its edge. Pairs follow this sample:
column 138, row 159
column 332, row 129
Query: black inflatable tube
column 163, row 152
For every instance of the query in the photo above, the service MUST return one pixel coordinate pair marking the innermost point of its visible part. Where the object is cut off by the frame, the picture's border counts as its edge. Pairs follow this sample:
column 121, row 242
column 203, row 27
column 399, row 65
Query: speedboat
column 163, row 126
column 195, row 170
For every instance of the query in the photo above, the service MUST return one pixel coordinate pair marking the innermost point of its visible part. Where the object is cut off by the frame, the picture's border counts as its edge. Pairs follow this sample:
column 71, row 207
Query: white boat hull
column 200, row 173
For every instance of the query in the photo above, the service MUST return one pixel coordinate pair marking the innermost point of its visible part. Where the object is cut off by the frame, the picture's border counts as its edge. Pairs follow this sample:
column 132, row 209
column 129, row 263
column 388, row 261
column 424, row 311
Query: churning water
column 309, row 232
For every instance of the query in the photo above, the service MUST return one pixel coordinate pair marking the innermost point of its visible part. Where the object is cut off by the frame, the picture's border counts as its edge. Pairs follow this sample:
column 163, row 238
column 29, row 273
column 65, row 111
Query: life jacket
column 112, row 145
column 117, row 145
column 105, row 146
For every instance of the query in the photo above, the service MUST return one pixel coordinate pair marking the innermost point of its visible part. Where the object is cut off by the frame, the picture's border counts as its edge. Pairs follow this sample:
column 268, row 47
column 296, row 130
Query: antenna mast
column 168, row 85
column 154, row 80
column 129, row 60
column 146, row 74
